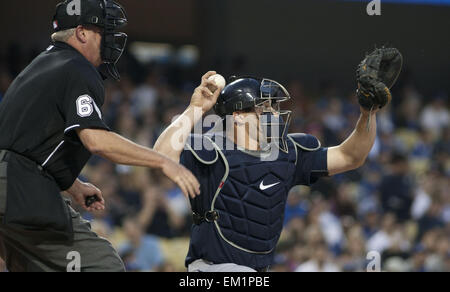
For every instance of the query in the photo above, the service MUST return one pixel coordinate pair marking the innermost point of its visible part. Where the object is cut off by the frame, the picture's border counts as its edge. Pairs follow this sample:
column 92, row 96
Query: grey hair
column 63, row 35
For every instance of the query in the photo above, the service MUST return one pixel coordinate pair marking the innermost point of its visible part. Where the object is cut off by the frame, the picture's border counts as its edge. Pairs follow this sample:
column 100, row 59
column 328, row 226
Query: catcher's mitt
column 376, row 75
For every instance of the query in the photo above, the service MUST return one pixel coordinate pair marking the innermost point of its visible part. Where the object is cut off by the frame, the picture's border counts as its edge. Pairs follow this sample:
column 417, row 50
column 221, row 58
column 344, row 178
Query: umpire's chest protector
column 251, row 196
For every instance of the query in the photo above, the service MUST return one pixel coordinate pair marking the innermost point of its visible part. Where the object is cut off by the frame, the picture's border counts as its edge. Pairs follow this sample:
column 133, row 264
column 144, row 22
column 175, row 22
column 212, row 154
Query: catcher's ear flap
column 390, row 66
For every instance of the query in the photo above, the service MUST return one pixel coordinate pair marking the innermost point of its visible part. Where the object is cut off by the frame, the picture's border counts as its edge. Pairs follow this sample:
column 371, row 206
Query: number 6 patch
column 84, row 106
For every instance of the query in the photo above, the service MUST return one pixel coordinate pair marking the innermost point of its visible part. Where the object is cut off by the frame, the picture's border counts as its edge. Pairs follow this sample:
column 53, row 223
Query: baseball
column 219, row 80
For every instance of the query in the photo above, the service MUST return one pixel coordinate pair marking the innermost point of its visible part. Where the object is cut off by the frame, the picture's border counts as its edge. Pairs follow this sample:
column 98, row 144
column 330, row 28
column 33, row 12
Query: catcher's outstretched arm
column 353, row 152
column 376, row 74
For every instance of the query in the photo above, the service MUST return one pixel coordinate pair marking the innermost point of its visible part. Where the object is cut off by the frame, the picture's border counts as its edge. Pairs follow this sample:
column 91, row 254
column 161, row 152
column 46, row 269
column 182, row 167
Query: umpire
column 50, row 123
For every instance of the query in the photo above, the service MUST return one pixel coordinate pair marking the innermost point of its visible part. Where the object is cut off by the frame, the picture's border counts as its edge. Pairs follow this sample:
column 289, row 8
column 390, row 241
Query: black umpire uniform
column 41, row 155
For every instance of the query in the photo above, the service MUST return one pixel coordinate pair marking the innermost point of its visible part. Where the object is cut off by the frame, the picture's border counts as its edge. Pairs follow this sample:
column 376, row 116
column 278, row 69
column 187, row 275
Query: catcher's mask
column 106, row 14
column 263, row 96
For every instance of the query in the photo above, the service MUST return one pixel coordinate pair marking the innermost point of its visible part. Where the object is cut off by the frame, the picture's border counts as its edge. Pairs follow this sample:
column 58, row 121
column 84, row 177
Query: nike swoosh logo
column 263, row 187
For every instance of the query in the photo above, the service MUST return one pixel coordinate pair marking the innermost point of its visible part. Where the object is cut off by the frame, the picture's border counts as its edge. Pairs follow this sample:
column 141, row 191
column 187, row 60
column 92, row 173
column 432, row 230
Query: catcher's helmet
column 106, row 14
column 253, row 93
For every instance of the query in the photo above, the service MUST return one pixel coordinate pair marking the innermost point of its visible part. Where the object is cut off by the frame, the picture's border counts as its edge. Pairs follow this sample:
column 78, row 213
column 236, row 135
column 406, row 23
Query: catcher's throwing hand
column 376, row 75
column 205, row 96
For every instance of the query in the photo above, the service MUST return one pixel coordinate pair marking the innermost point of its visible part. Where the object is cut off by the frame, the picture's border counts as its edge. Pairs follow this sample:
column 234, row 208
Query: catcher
column 238, row 216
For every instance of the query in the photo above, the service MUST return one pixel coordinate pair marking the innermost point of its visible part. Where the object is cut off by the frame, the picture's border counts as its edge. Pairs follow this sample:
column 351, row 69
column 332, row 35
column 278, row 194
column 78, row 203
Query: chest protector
column 251, row 197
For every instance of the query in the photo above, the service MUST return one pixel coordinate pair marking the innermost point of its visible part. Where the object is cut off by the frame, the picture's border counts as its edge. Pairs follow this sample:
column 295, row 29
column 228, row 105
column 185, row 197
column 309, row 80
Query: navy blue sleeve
column 186, row 159
column 311, row 165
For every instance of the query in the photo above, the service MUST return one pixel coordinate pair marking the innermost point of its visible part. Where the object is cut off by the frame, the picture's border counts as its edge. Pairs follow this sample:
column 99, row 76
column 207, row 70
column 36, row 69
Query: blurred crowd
column 397, row 205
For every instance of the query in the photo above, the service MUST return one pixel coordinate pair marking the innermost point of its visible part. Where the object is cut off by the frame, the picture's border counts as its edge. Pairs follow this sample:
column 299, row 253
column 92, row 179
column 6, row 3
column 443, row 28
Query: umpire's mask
column 106, row 14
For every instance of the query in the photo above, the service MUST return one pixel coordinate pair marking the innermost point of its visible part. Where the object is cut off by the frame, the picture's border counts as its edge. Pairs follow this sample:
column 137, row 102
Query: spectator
column 141, row 252
column 144, row 97
column 396, row 188
column 354, row 256
column 296, row 205
column 432, row 218
column 435, row 117
column 389, row 237
column 370, row 223
column 161, row 218
column 418, row 259
column 319, row 262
